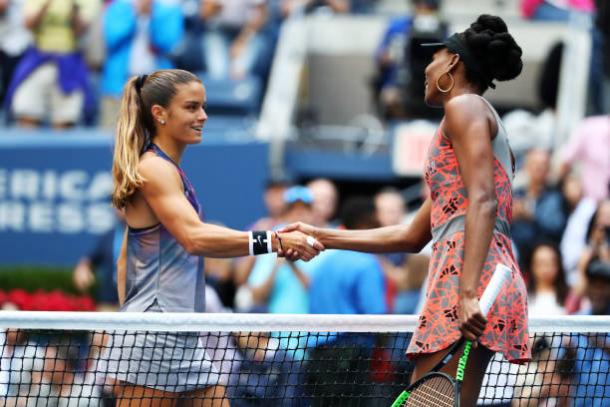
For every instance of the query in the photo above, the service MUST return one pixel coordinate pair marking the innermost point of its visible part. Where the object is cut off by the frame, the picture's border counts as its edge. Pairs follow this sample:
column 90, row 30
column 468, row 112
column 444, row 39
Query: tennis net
column 87, row 359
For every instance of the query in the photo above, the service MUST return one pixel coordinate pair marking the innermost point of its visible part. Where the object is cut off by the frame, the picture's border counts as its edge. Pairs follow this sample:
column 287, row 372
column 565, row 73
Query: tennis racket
column 438, row 388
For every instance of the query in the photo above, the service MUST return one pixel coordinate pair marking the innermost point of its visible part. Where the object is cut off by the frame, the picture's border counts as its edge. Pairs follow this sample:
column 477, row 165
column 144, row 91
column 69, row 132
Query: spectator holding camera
column 597, row 248
column 398, row 58
column 538, row 206
column 52, row 72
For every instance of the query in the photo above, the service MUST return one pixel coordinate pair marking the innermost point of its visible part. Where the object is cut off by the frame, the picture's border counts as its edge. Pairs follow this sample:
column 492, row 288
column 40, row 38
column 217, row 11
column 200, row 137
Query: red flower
column 47, row 301
column 20, row 298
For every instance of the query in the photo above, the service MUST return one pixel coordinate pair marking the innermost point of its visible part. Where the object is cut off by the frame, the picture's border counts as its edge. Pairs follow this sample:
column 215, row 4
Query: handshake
column 297, row 241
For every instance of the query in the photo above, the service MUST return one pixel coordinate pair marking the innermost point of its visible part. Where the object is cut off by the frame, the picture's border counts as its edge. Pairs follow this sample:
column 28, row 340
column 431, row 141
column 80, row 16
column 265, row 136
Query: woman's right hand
column 301, row 227
column 295, row 245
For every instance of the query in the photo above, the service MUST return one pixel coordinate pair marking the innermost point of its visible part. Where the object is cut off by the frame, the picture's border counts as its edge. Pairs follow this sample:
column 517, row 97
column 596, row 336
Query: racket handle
column 500, row 276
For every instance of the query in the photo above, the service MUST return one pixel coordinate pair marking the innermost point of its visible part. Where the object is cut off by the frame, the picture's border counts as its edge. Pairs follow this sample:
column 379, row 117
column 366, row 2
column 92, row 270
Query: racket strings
column 438, row 391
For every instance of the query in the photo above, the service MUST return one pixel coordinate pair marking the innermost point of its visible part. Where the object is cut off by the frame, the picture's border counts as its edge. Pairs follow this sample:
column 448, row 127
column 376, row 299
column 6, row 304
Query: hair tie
column 140, row 82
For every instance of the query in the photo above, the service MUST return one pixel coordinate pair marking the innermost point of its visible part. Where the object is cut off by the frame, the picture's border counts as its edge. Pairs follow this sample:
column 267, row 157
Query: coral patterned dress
column 438, row 328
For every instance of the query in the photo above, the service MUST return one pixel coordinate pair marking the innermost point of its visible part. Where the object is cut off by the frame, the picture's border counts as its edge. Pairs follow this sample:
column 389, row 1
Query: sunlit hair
column 135, row 126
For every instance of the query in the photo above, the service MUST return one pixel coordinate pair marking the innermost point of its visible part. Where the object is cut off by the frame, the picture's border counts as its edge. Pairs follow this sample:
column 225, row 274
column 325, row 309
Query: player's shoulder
column 464, row 110
column 153, row 168
column 465, row 104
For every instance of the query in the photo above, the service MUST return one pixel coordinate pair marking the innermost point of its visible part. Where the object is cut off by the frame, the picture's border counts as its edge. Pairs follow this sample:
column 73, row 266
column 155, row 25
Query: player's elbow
column 411, row 242
column 486, row 203
column 190, row 245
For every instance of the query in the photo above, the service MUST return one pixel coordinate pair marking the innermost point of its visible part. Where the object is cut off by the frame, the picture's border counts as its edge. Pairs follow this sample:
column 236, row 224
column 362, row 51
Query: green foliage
column 32, row 278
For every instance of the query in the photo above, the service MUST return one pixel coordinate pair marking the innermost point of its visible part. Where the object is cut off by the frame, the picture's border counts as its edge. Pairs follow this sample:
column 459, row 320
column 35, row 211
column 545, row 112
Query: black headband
column 456, row 45
column 140, row 82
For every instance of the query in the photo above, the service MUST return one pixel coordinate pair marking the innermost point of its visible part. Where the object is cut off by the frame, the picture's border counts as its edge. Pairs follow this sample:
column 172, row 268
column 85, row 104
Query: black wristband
column 259, row 242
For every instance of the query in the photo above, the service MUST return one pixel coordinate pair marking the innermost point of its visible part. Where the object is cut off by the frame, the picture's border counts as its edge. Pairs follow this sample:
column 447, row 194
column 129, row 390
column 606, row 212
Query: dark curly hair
column 494, row 49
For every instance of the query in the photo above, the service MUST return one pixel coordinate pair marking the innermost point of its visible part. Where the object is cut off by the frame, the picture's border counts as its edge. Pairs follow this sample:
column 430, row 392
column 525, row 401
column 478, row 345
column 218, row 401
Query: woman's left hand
column 472, row 321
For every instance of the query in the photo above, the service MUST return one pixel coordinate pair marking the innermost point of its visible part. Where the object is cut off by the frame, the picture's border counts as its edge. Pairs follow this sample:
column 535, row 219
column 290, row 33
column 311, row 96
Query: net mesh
column 95, row 359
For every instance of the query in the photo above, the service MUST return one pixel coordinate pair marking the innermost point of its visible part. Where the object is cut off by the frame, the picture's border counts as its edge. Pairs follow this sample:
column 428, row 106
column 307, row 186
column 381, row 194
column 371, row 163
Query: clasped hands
column 297, row 242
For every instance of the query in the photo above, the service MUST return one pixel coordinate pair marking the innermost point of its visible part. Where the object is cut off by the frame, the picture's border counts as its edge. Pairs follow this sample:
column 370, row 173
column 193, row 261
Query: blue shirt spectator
column 347, row 282
column 139, row 37
column 592, row 361
column 392, row 46
column 288, row 296
column 266, row 376
column 592, row 370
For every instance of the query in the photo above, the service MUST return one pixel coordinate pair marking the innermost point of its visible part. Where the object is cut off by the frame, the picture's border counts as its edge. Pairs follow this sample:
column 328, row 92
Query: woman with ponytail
column 160, row 268
column 467, row 216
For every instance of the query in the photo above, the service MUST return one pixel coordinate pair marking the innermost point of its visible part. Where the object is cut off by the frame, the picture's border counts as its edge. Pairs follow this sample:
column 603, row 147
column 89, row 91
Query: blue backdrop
column 54, row 191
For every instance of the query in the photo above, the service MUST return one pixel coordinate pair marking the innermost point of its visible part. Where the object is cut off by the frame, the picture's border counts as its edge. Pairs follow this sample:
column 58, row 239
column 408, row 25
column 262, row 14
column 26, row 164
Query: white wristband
column 269, row 245
column 251, row 243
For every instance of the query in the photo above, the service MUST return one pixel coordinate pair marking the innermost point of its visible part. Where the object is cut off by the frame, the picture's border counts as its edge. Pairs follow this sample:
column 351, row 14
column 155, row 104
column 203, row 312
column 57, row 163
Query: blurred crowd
column 64, row 63
column 73, row 57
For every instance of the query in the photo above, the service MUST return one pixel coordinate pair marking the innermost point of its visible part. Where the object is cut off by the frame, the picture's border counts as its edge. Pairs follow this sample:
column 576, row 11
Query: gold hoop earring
column 450, row 87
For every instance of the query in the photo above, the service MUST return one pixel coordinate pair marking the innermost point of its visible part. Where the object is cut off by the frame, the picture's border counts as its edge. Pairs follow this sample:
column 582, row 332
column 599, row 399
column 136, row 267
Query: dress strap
column 500, row 145
column 189, row 190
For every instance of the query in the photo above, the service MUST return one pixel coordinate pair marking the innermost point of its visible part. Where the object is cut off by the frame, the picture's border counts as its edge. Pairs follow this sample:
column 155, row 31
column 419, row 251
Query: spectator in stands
column 276, row 207
column 403, row 277
column 139, row 36
column 390, row 207
column 98, row 268
column 588, row 147
column 581, row 12
column 598, row 247
column 544, row 381
column 309, row 6
column 232, row 40
column 19, row 358
column 59, row 383
column 345, row 282
column 274, row 203
column 537, row 207
column 547, row 283
column 188, row 54
column 267, row 375
column 14, row 39
column 592, row 360
column 273, row 283
column 362, row 6
column 555, row 10
column 219, row 276
column 52, row 75
column 325, row 197
column 393, row 58
column 580, row 210
column 603, row 27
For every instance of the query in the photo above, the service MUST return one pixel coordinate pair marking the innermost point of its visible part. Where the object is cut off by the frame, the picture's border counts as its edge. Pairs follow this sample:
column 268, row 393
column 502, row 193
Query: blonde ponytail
column 129, row 142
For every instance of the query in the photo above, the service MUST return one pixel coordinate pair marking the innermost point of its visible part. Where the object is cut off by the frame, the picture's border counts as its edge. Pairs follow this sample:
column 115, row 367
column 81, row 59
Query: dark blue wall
column 54, row 191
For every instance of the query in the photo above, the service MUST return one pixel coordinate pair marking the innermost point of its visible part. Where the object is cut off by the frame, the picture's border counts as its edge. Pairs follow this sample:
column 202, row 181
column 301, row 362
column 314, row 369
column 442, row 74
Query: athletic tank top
column 159, row 268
